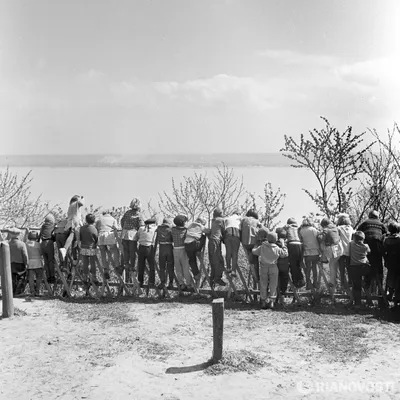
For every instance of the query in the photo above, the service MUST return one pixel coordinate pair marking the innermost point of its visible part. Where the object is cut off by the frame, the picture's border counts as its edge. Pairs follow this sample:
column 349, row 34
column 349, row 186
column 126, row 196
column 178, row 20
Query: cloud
column 232, row 91
column 290, row 57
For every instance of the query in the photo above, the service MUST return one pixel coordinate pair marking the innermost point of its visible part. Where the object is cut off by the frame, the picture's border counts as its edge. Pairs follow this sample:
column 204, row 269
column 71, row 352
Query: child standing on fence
column 19, row 259
column 74, row 222
column 165, row 253
column 391, row 247
column 215, row 248
column 88, row 238
column 359, row 266
column 107, row 227
column 181, row 260
column 35, row 264
column 232, row 241
column 194, row 243
column 283, row 264
column 46, row 235
column 345, row 233
column 269, row 254
column 130, row 224
column 249, row 228
column 146, row 237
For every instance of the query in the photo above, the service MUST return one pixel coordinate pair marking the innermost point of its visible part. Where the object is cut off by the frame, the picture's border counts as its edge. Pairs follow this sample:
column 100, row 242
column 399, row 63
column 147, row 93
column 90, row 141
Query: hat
column 262, row 234
column 14, row 231
column 217, row 212
column 359, row 236
column 49, row 218
column 291, row 221
column 373, row 214
column 32, row 235
column 136, row 204
column 180, row 220
column 272, row 237
column 150, row 221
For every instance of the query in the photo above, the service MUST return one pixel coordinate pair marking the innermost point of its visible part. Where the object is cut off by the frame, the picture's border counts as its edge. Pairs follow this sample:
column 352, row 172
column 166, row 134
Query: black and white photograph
column 199, row 199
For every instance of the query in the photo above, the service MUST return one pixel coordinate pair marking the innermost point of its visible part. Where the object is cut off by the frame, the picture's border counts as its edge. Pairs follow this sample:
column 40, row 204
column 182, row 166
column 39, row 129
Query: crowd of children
column 290, row 254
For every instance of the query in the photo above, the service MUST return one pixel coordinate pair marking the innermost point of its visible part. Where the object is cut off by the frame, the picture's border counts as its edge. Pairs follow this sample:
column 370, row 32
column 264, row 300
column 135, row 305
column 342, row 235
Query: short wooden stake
column 218, row 328
column 6, row 280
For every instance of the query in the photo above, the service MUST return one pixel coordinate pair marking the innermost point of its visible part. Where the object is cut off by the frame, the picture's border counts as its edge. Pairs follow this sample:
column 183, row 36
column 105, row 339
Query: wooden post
column 6, row 280
column 218, row 328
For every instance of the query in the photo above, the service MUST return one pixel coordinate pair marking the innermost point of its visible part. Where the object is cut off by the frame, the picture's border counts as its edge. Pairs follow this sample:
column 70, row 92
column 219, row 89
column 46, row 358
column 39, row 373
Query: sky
column 192, row 76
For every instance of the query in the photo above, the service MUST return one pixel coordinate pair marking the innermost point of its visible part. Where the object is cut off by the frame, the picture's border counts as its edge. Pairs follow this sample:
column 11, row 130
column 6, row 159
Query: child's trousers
column 86, row 260
column 268, row 280
column 146, row 253
column 166, row 262
column 47, row 247
column 32, row 274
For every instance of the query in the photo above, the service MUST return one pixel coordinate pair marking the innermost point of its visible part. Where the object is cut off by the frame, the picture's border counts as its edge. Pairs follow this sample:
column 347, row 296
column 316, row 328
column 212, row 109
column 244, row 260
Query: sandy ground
column 60, row 350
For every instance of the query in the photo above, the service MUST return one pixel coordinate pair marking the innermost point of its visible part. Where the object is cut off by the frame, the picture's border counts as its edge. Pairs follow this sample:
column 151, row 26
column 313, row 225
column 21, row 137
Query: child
column 130, row 224
column 194, row 243
column 359, row 265
column 249, row 227
column 19, row 259
column 35, row 265
column 214, row 248
column 165, row 253
column 180, row 257
column 146, row 236
column 283, row 265
column 74, row 221
column 391, row 246
column 46, row 235
column 295, row 249
column 88, row 238
column 269, row 254
column 232, row 241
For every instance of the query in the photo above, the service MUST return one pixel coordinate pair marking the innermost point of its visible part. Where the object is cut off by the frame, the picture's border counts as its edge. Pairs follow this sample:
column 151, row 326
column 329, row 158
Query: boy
column 180, row 257
column 391, row 247
column 88, row 238
column 268, row 254
column 194, row 244
column 359, row 265
column 35, row 265
column 295, row 249
column 283, row 265
column 145, row 237
column 214, row 248
column 19, row 259
column 46, row 235
column 165, row 253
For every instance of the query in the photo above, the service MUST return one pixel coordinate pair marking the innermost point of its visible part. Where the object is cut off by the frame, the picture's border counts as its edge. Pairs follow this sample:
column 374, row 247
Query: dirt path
column 65, row 351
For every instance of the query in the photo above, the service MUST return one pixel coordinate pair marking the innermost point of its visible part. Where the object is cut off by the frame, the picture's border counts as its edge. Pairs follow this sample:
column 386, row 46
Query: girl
column 130, row 223
column 309, row 237
column 35, row 264
column 345, row 232
column 107, row 227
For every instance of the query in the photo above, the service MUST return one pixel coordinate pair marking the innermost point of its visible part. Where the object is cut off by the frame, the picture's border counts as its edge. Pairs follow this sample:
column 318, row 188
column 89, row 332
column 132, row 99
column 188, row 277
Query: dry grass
column 237, row 361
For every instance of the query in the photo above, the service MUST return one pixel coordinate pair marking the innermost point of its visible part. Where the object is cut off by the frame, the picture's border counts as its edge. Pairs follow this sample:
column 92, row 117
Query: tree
column 335, row 159
column 17, row 206
column 198, row 195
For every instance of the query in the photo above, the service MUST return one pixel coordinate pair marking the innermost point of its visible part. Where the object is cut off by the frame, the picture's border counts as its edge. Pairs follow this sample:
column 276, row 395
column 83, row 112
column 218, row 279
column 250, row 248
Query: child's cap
column 217, row 212
column 32, row 235
column 291, row 221
column 14, row 231
column 49, row 218
column 180, row 220
column 150, row 221
column 272, row 237
column 359, row 236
